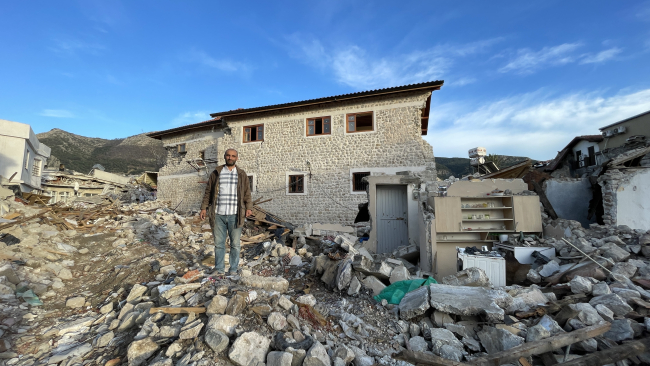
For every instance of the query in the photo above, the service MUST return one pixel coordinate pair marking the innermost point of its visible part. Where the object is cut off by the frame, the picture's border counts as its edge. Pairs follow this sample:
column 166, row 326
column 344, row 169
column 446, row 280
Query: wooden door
column 448, row 214
column 528, row 216
column 392, row 210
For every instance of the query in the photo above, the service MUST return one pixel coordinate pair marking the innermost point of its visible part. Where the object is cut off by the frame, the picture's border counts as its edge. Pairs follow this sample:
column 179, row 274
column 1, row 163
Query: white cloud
column 188, row 118
column 74, row 46
column 353, row 66
column 528, row 61
column 535, row 125
column 225, row 65
column 57, row 113
column 600, row 56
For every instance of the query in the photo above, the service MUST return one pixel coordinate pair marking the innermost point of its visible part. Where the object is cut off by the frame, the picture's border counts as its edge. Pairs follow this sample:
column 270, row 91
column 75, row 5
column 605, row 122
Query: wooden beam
column 545, row 202
column 612, row 355
column 426, row 359
column 9, row 224
column 542, row 346
column 186, row 310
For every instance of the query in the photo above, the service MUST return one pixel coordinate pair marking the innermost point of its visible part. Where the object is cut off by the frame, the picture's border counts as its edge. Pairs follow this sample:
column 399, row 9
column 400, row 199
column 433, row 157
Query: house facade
column 21, row 153
column 308, row 157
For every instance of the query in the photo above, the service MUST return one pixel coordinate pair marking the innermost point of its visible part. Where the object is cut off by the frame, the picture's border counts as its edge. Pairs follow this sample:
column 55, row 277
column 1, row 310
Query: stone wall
column 327, row 161
column 178, row 181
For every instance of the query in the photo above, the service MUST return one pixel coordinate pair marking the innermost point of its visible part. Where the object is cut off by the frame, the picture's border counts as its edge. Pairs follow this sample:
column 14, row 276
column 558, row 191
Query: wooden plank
column 185, row 310
column 54, row 251
column 448, row 214
column 426, row 359
column 11, row 216
column 9, row 224
column 542, row 346
column 524, row 362
column 527, row 214
column 545, row 202
column 268, row 222
column 612, row 355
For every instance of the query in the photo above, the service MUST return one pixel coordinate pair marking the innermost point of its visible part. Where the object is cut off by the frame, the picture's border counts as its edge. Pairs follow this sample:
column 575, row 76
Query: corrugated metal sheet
column 392, row 215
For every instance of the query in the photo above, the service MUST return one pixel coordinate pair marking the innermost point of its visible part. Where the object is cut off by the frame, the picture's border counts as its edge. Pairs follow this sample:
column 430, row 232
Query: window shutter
column 260, row 133
column 326, row 125
column 351, row 123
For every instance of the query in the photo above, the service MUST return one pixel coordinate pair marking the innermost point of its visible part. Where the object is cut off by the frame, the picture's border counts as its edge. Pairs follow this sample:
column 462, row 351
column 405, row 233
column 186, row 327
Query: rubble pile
column 112, row 284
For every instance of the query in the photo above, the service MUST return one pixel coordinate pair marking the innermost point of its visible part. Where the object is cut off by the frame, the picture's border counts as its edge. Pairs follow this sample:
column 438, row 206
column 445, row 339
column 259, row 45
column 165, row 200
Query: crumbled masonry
column 131, row 284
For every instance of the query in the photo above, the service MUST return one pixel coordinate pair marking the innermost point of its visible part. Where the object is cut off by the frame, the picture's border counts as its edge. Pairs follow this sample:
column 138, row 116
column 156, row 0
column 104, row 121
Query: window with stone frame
column 319, row 126
column 182, row 148
column 359, row 122
column 254, row 133
column 358, row 184
column 297, row 183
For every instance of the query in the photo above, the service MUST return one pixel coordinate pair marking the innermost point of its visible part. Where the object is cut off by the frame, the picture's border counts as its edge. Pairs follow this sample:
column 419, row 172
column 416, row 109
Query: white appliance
column 494, row 267
column 524, row 254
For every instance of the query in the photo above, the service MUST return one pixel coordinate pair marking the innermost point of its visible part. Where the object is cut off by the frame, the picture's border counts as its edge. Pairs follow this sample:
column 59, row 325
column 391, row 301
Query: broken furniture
column 469, row 221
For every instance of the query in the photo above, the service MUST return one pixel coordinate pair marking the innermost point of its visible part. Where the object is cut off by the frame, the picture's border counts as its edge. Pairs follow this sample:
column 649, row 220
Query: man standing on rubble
column 226, row 197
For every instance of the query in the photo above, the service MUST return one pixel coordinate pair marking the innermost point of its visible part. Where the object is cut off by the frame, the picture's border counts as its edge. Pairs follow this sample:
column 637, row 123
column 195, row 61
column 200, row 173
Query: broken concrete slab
column 463, row 300
column 249, row 349
column 414, row 303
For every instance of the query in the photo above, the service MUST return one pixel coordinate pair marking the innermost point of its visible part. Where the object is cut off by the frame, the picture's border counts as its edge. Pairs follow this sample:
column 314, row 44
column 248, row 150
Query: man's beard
column 230, row 163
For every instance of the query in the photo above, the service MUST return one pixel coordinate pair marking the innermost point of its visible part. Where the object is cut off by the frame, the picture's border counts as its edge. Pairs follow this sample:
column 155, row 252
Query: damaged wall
column 178, row 182
column 395, row 142
column 22, row 153
column 479, row 188
column 570, row 198
column 632, row 200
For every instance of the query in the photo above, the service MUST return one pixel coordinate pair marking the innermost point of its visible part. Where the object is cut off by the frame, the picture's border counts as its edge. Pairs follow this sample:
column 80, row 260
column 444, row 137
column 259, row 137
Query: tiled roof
column 216, row 120
column 336, row 98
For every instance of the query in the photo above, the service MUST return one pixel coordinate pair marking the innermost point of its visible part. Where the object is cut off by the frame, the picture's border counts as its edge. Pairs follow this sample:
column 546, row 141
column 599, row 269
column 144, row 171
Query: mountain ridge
column 129, row 155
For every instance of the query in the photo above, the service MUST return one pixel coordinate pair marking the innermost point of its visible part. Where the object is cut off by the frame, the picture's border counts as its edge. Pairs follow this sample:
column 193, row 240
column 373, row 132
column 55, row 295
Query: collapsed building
column 603, row 178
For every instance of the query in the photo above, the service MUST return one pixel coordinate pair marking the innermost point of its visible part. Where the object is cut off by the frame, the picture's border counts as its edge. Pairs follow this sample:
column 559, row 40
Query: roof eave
column 436, row 85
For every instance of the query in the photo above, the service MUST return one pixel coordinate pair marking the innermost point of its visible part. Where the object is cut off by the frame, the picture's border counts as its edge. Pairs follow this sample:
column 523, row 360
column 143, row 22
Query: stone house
column 309, row 157
column 21, row 154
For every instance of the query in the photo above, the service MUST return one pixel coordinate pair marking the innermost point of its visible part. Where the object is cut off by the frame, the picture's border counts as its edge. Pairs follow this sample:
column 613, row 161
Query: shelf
column 486, row 208
column 464, row 241
column 487, row 231
column 476, row 220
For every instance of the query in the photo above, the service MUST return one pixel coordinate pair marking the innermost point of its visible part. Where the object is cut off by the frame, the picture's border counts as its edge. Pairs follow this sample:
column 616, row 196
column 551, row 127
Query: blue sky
column 521, row 77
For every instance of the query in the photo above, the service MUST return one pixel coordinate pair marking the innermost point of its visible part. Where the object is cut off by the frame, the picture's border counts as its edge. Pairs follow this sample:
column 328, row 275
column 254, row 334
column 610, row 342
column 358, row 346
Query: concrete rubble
column 132, row 284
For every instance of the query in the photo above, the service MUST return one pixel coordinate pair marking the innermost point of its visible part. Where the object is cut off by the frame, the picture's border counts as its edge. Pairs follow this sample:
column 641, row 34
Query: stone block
column 249, row 349
column 496, row 340
column 317, row 356
column 399, row 273
column 139, row 351
column 620, row 331
column 580, row 285
column 266, row 283
column 472, row 276
column 374, row 284
column 614, row 302
column 441, row 337
column 601, row 288
column 414, row 303
column 276, row 358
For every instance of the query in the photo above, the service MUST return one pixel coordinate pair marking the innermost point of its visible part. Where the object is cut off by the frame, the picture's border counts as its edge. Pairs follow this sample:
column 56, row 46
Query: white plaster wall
column 632, row 202
column 584, row 147
column 12, row 153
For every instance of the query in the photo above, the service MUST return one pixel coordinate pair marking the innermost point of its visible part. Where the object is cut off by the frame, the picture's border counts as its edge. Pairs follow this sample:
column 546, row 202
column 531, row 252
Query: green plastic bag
column 395, row 292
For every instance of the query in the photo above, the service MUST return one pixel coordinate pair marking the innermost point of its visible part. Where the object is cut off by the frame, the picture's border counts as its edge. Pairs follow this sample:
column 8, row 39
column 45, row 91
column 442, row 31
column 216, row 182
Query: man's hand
column 249, row 213
column 202, row 215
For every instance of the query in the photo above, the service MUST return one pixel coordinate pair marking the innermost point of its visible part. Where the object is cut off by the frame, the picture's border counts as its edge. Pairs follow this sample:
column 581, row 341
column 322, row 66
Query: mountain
column 131, row 155
column 459, row 167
